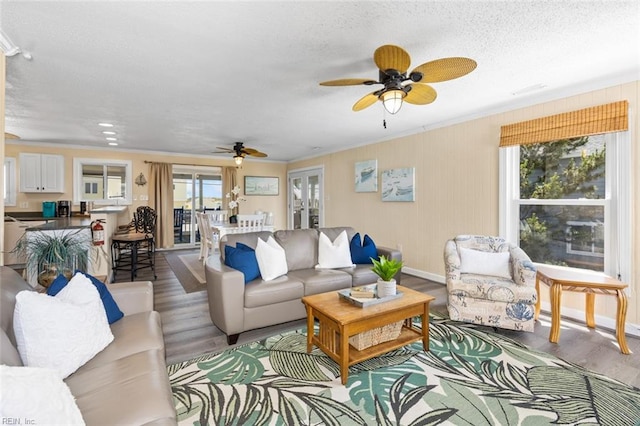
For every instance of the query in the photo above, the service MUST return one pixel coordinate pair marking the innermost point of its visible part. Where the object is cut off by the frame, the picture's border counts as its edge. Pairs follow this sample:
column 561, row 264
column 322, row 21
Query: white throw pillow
column 272, row 260
column 61, row 332
column 37, row 395
column 336, row 254
column 484, row 263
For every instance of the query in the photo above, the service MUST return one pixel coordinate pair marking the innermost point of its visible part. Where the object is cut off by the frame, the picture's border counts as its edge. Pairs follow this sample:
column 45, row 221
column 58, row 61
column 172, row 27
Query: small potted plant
column 386, row 269
column 49, row 254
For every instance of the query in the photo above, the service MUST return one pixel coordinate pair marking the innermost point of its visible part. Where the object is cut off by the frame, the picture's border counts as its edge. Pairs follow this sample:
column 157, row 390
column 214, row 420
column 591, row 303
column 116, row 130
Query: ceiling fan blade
column 348, row 82
column 365, row 101
column 445, row 69
column 253, row 152
column 222, row 149
column 8, row 135
column 420, row 94
column 390, row 56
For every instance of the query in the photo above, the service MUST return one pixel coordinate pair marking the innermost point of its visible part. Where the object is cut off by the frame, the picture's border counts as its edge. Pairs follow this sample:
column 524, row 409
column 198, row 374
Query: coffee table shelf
column 339, row 320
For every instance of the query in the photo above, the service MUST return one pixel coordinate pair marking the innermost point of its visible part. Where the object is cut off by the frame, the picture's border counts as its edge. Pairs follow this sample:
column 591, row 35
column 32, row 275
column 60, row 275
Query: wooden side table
column 590, row 283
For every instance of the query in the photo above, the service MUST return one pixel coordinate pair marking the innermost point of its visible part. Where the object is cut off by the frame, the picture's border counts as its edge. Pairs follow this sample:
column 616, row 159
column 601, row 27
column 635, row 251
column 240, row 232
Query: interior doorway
column 195, row 189
column 305, row 195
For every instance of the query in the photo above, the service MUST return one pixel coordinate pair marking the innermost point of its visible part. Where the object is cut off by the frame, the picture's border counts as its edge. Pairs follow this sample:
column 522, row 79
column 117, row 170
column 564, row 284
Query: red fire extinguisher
column 97, row 232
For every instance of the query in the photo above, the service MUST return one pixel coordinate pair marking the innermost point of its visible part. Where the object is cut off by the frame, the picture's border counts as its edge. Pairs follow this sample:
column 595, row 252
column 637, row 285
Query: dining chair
column 249, row 223
column 178, row 222
column 136, row 249
column 218, row 216
column 207, row 239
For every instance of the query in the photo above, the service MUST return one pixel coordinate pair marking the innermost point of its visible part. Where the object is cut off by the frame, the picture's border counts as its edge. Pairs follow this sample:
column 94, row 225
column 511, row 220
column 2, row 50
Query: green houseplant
column 386, row 269
column 49, row 254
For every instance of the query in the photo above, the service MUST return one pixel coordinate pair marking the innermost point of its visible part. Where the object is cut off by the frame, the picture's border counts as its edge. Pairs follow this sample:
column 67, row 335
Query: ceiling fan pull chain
column 384, row 123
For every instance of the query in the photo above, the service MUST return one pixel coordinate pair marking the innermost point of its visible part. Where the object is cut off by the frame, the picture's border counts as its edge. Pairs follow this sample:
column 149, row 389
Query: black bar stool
column 136, row 250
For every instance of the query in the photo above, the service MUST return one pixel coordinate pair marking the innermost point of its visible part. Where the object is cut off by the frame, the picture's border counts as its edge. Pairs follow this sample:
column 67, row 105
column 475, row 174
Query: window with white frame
column 567, row 202
column 9, row 181
column 102, row 181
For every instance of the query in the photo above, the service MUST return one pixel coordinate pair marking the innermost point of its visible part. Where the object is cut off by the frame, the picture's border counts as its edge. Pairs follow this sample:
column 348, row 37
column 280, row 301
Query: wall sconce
column 140, row 180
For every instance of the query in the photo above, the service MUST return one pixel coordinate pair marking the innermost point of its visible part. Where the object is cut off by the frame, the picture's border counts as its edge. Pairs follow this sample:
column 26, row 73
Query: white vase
column 386, row 288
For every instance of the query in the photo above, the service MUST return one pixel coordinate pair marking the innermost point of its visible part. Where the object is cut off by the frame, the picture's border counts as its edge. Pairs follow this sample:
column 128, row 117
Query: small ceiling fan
column 393, row 62
column 240, row 152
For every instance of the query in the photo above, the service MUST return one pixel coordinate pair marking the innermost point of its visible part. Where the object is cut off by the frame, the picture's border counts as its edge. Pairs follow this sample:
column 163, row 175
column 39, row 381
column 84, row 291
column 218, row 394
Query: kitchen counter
column 58, row 223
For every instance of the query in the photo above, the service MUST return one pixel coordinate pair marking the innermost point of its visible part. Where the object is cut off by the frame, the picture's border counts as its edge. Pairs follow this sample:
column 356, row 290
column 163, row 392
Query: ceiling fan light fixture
column 392, row 100
column 238, row 159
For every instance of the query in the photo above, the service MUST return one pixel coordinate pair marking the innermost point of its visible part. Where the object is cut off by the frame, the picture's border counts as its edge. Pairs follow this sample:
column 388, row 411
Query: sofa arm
column 451, row 262
column 225, row 291
column 524, row 271
column 390, row 253
column 133, row 297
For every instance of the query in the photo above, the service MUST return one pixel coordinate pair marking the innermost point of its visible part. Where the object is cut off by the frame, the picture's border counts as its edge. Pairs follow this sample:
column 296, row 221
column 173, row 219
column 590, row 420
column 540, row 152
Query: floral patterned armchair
column 504, row 299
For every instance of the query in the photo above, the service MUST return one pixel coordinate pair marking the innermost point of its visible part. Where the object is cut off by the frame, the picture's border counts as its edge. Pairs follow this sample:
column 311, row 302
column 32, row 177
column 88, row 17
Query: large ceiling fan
column 393, row 63
column 240, row 152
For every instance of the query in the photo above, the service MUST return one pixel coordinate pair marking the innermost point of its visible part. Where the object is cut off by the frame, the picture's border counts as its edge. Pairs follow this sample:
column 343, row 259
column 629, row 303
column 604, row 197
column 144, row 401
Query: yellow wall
column 457, row 186
column 277, row 205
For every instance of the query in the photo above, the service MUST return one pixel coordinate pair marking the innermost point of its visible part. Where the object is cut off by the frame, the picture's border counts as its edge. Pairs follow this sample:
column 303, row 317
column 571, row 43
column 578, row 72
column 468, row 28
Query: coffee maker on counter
column 64, row 208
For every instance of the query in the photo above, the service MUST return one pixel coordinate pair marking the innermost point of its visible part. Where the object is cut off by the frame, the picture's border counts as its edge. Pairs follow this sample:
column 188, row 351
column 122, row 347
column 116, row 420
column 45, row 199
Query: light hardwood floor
column 188, row 330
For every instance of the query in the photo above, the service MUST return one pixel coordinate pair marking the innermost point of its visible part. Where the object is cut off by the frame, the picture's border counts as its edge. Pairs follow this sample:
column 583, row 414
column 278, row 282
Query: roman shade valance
column 589, row 121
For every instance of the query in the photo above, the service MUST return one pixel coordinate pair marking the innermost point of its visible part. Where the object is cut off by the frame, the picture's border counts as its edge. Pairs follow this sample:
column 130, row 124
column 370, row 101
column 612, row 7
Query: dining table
column 223, row 228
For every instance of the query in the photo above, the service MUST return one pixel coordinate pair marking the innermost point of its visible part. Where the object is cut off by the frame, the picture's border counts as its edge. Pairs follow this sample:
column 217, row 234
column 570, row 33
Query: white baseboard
column 574, row 314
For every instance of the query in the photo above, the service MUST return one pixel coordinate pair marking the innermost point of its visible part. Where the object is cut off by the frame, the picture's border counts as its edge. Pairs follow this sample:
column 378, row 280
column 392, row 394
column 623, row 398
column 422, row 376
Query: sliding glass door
column 194, row 189
column 305, row 199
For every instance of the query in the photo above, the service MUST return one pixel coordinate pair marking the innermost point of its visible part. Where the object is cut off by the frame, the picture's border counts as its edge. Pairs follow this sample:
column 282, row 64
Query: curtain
column 161, row 199
column 229, row 180
column 589, row 121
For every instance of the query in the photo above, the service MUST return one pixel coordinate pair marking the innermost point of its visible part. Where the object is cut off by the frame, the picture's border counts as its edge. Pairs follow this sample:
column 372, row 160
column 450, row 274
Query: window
column 102, row 181
column 9, row 181
column 567, row 202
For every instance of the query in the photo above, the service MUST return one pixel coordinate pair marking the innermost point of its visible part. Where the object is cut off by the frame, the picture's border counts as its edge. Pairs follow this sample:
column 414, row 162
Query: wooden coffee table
column 590, row 283
column 339, row 320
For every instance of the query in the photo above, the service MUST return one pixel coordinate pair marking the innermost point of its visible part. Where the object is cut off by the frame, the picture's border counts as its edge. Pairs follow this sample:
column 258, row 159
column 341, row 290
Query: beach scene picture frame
column 366, row 178
column 398, row 184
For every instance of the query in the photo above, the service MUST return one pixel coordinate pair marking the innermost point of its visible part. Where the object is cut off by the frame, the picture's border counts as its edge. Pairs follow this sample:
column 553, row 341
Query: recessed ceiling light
column 111, row 139
column 105, row 124
column 113, row 143
column 107, row 132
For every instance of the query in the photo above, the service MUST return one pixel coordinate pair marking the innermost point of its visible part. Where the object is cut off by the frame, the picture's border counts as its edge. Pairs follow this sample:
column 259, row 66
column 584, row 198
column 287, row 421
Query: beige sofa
column 125, row 384
column 236, row 307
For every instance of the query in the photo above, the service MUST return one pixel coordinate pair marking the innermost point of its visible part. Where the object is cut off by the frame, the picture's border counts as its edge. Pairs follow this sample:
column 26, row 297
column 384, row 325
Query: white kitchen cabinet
column 41, row 173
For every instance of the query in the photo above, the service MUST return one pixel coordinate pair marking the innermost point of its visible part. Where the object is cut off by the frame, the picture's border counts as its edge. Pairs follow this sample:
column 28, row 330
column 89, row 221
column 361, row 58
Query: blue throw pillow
column 110, row 306
column 361, row 253
column 242, row 258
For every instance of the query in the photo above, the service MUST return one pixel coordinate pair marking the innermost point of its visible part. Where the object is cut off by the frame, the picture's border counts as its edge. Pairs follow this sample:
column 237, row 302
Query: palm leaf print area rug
column 469, row 377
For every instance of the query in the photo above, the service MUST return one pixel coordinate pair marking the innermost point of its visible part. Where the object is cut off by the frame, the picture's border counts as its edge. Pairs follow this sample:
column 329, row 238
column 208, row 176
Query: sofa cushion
column 322, row 280
column 496, row 289
column 132, row 334
column 37, row 395
column 272, row 260
column 282, row 289
column 102, row 392
column 61, row 332
column 361, row 275
column 242, row 258
column 363, row 251
column 110, row 306
column 300, row 246
column 250, row 239
column 334, row 254
column 484, row 263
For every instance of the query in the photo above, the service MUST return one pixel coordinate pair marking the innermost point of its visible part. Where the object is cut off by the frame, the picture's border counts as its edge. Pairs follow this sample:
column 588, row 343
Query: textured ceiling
column 185, row 77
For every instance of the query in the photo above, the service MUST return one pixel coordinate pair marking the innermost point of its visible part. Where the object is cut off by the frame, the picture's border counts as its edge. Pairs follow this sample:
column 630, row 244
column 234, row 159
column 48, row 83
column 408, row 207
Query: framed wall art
column 261, row 185
column 367, row 176
column 398, row 184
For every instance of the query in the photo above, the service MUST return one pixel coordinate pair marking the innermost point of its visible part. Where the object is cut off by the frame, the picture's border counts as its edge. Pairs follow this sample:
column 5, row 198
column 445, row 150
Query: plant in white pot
column 386, row 269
